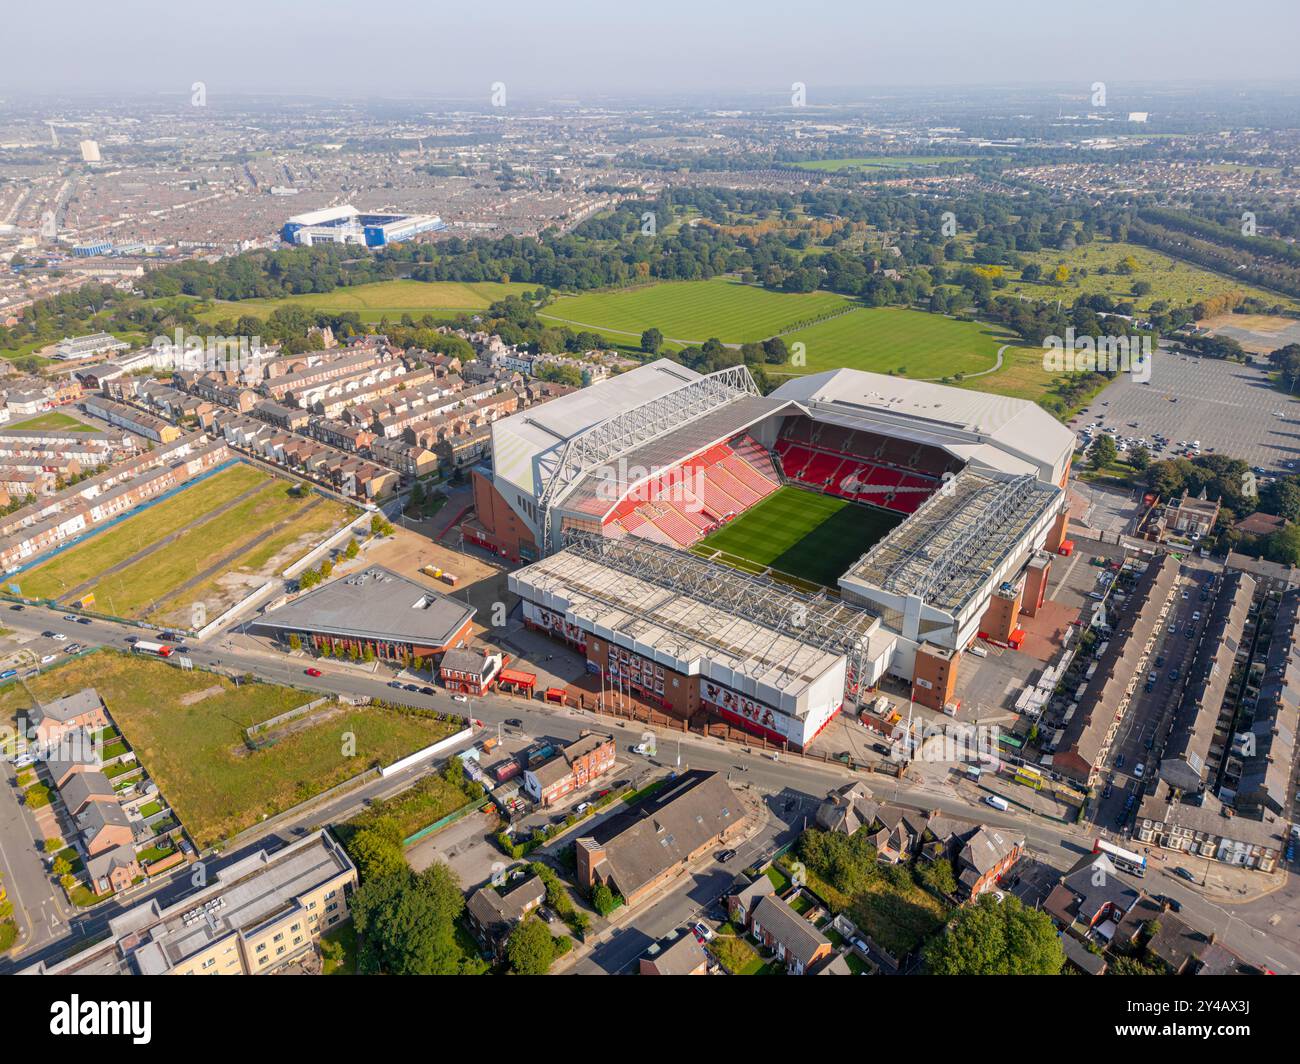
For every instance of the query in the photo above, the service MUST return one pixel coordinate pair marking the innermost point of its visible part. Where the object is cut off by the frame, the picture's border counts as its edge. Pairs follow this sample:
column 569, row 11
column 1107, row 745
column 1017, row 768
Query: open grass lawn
column 808, row 535
column 1177, row 283
column 692, row 311
column 382, row 299
column 343, row 959
column 911, row 343
column 53, row 419
column 97, row 553
column 195, row 752
column 881, row 162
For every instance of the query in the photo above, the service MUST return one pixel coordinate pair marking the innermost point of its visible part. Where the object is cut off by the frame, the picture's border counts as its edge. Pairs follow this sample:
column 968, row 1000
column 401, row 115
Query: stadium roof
column 1012, row 435
column 698, row 612
column 523, row 442
column 324, row 215
column 598, row 491
column 375, row 604
column 946, row 550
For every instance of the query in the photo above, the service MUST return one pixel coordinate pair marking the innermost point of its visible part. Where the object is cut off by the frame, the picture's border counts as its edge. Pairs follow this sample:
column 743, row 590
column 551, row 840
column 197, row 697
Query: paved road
column 1053, row 843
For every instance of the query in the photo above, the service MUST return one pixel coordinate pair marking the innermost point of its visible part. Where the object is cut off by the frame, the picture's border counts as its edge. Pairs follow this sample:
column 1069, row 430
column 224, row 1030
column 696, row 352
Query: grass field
column 803, row 533
column 382, row 299
column 154, row 585
column 53, row 419
column 882, row 162
column 690, row 312
column 187, row 730
column 911, row 343
column 150, row 587
column 1177, row 283
column 75, row 566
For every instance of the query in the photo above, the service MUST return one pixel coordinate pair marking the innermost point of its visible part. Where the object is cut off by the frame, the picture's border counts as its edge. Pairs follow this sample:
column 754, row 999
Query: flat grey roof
column 375, row 603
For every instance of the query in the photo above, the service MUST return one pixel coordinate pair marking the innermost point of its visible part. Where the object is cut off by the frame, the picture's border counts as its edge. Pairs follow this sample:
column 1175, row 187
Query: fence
column 428, row 752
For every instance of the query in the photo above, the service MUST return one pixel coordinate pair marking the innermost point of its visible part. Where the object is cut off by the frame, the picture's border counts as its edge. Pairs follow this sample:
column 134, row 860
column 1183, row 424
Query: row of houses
column 348, row 474
column 1082, row 744
column 40, row 526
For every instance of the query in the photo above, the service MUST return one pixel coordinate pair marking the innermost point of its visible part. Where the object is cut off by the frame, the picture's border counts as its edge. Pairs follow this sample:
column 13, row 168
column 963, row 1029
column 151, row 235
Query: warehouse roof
column 375, row 604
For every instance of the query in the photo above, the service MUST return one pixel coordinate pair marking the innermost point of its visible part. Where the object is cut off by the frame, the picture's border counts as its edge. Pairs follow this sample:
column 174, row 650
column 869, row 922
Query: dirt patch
column 192, row 697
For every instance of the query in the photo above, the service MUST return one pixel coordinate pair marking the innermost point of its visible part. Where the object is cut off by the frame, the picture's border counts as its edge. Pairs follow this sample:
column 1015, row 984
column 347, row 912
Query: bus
column 1125, row 860
column 158, row 649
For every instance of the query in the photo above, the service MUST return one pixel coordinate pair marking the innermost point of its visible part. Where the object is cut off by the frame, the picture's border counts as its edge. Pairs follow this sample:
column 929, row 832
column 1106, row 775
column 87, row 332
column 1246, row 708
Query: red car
column 313, row 672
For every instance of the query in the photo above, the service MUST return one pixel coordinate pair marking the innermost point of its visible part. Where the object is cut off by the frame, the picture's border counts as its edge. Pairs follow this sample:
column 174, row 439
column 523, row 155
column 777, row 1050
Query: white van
column 997, row 803
column 978, row 651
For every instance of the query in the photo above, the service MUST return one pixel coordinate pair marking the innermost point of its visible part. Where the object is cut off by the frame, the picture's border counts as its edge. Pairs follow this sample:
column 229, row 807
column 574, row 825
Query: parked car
column 1110, row 789
column 582, row 807
column 18, row 607
column 427, row 691
column 1119, row 761
column 1139, row 769
column 48, row 658
column 1182, row 873
column 459, row 698
column 702, row 931
column 395, row 683
column 58, row 636
column 83, row 620
column 726, row 855
column 515, row 722
column 1174, row 904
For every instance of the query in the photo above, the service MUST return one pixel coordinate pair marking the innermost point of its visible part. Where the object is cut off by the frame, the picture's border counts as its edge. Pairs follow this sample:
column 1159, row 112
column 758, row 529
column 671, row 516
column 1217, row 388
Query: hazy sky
column 576, row 48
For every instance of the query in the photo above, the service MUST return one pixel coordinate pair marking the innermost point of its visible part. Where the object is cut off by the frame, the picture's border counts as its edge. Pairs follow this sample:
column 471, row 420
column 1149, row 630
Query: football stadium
column 767, row 560
column 347, row 225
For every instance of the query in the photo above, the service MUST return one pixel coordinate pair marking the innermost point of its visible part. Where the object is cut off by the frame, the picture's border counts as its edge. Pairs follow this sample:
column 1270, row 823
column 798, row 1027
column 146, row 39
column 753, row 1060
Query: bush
column 8, row 935
column 604, row 900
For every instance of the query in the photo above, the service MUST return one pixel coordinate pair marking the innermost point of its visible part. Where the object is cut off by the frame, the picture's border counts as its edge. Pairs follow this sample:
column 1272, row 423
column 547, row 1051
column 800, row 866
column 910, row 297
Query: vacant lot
column 809, row 535
column 99, row 552
column 690, row 312
column 227, row 534
column 187, row 729
column 382, row 299
column 53, row 419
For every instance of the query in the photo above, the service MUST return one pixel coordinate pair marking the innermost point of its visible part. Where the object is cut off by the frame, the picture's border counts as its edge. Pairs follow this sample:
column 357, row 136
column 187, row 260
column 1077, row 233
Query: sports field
column 911, row 343
column 690, row 312
column 801, row 533
column 382, row 299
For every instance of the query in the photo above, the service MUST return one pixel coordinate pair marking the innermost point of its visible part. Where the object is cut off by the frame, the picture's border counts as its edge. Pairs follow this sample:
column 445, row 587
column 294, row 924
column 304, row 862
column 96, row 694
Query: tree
column 62, row 866
column 406, row 923
column 376, row 849
column 938, row 876
column 530, row 949
column 352, row 550
column 992, row 937
column 651, row 341
column 1139, row 458
column 1103, row 453
column 604, row 900
column 295, row 641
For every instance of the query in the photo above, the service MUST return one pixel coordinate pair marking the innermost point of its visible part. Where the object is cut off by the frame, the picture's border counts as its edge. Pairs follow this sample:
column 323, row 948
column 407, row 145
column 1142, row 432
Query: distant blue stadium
column 347, row 225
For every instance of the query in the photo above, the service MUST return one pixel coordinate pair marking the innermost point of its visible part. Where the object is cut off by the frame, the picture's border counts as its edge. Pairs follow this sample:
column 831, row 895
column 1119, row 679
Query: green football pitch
column 804, row 534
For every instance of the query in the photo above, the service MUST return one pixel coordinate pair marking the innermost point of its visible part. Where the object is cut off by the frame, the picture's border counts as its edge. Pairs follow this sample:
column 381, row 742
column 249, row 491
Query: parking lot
column 1228, row 406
